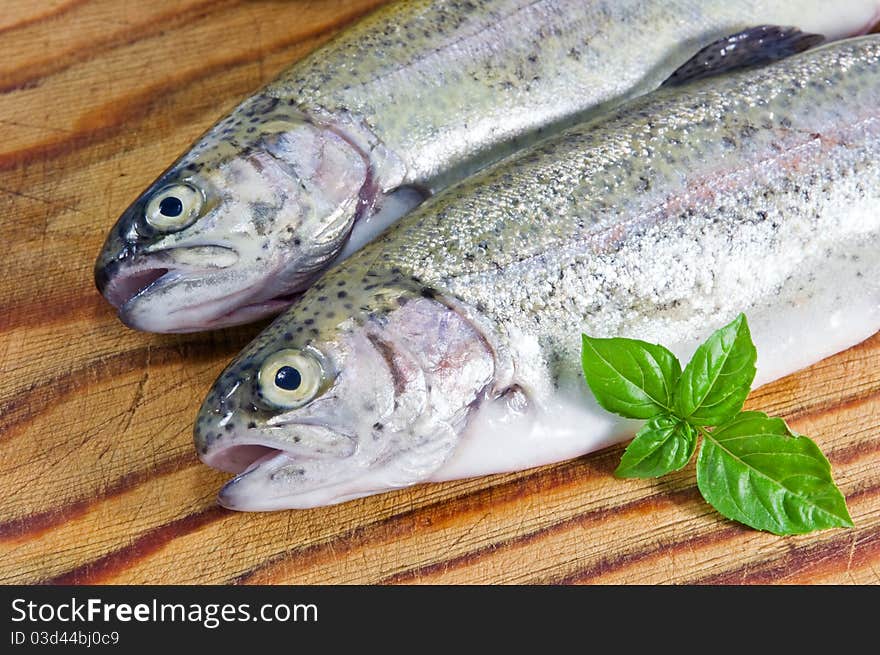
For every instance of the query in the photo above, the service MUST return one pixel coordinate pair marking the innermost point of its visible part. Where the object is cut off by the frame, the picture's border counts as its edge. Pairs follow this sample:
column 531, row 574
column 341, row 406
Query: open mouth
column 121, row 288
column 254, row 467
column 267, row 478
column 122, row 278
column 243, row 454
column 238, row 459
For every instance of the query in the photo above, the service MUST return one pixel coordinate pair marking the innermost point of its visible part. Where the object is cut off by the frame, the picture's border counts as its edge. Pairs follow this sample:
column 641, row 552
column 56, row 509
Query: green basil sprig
column 751, row 468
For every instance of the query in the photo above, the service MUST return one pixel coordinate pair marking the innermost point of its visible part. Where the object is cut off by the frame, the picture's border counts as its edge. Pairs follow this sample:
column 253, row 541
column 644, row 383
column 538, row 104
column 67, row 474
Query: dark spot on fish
column 288, row 336
column 341, row 294
column 263, row 213
column 296, row 242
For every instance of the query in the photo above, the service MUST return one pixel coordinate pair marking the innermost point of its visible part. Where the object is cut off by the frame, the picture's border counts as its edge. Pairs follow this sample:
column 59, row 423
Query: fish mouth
column 153, row 295
column 270, row 474
column 128, row 276
column 254, row 466
column 240, row 453
column 213, row 314
column 247, row 490
column 121, row 289
column 239, row 459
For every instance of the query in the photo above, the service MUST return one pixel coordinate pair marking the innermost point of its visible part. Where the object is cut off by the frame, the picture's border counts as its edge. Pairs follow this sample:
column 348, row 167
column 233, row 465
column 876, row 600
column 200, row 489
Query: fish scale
column 470, row 64
column 694, row 170
column 758, row 193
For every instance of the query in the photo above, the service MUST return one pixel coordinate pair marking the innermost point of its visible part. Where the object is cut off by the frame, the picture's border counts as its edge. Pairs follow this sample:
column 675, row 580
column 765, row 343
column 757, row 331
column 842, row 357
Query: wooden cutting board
column 100, row 481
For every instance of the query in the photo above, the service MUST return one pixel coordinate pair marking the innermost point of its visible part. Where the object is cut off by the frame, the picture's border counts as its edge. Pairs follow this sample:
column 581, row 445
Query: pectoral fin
column 755, row 46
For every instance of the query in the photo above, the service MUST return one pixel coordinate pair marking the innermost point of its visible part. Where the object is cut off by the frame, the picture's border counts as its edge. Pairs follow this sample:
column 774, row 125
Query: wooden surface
column 100, row 481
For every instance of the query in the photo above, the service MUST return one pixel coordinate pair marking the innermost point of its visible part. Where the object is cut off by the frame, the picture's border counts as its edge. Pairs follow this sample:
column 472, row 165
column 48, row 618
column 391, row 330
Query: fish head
column 235, row 229
column 357, row 389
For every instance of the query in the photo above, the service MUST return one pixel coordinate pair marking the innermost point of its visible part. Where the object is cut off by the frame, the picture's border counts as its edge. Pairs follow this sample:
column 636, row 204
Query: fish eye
column 174, row 207
column 289, row 378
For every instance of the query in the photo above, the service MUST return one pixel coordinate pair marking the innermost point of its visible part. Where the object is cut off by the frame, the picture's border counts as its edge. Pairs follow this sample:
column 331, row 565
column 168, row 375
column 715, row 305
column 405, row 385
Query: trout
column 450, row 347
column 411, row 100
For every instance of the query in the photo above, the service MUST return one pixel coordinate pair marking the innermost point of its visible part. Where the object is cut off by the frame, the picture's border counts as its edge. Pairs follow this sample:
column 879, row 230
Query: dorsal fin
column 752, row 47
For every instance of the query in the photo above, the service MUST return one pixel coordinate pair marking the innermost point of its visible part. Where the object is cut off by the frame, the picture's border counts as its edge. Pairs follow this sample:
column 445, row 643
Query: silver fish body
column 409, row 101
column 450, row 347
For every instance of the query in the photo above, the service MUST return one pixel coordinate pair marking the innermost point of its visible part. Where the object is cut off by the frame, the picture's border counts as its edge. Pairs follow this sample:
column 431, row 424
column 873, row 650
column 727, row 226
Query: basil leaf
column 631, row 378
column 665, row 444
column 756, row 471
column 715, row 383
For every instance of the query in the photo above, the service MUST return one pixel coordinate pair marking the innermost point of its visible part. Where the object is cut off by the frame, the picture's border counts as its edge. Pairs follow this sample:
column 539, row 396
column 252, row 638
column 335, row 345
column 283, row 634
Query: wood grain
column 100, row 481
